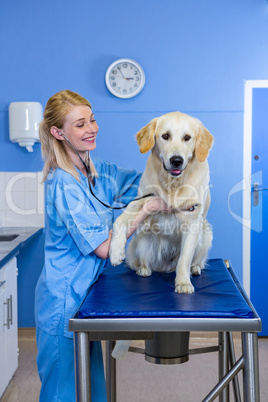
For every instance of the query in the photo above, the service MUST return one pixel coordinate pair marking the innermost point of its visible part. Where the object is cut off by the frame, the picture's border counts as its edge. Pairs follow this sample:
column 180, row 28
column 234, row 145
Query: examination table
column 121, row 306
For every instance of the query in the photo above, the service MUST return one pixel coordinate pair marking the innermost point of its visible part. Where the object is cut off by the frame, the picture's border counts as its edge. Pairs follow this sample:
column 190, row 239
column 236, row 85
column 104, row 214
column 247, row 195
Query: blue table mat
column 121, row 293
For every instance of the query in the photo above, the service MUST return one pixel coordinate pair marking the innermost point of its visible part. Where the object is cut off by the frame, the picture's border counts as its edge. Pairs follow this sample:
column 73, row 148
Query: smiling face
column 175, row 138
column 81, row 129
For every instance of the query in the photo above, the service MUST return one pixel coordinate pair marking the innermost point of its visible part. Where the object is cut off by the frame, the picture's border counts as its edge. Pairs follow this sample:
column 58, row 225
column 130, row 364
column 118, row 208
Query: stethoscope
column 89, row 177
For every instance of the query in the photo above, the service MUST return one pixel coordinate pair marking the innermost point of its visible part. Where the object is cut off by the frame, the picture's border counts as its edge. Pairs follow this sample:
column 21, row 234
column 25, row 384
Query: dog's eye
column 187, row 137
column 165, row 136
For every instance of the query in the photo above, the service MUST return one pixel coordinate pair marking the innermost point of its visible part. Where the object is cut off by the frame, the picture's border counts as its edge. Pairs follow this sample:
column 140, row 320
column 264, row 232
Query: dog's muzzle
column 176, row 165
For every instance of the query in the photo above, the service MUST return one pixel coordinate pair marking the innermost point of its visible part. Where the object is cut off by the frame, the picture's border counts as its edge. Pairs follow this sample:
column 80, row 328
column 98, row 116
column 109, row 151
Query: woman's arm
column 155, row 204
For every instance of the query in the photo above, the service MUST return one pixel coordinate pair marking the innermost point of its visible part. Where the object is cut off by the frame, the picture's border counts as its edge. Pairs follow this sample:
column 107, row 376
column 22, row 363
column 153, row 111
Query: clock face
column 125, row 78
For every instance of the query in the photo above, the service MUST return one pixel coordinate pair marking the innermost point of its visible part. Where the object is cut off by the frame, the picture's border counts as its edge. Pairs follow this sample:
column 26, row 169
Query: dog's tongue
column 176, row 172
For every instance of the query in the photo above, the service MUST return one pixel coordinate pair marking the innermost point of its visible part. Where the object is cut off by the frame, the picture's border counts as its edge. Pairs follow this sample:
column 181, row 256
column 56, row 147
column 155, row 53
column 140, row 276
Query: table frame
column 111, row 329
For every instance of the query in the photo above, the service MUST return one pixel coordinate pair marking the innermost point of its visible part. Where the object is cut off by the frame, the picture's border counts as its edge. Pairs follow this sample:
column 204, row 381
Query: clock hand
column 121, row 72
column 123, row 78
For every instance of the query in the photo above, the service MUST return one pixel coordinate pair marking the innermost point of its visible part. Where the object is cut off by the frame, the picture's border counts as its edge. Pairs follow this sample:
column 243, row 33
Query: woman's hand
column 156, row 204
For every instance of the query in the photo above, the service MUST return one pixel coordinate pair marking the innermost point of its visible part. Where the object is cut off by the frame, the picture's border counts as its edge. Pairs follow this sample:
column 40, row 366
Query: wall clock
column 125, row 78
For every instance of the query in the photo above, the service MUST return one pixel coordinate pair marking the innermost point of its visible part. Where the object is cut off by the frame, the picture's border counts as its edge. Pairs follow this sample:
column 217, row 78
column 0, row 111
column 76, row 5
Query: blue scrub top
column 76, row 224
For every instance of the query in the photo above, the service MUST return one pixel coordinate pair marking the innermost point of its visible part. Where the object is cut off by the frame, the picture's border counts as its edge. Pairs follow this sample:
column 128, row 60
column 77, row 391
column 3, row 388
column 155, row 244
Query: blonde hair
column 53, row 151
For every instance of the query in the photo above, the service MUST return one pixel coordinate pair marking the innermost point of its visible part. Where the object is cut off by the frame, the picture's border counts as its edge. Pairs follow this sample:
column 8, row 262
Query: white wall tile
column 13, row 219
column 2, row 181
column 34, row 220
column 2, row 219
column 31, row 181
column 31, row 203
column 2, row 200
column 21, row 199
column 15, row 181
column 41, row 202
column 15, row 201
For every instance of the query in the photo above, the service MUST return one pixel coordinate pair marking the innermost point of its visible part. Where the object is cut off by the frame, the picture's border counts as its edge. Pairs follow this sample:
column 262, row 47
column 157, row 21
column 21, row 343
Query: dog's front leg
column 189, row 243
column 117, row 250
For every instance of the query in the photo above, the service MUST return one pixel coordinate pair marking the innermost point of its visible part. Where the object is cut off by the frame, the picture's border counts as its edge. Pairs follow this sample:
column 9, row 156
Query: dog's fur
column 177, row 170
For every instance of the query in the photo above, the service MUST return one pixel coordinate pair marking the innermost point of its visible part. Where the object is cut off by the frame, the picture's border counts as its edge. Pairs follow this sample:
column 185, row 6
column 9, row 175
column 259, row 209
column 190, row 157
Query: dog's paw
column 117, row 252
column 195, row 270
column 184, row 288
column 117, row 256
column 145, row 272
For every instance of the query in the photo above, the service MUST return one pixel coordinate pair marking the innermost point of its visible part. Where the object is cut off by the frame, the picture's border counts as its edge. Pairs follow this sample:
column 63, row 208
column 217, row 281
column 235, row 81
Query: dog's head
column 176, row 138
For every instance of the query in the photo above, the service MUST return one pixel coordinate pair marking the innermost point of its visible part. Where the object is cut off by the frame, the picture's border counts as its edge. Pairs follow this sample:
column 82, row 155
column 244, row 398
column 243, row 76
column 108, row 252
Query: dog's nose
column 176, row 161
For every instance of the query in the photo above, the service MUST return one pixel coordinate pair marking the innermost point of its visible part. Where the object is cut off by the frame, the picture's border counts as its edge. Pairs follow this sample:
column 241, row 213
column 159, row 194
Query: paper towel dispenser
column 24, row 119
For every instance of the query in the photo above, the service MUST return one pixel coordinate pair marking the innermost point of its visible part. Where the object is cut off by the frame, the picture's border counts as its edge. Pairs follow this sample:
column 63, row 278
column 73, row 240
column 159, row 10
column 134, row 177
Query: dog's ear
column 145, row 137
column 203, row 144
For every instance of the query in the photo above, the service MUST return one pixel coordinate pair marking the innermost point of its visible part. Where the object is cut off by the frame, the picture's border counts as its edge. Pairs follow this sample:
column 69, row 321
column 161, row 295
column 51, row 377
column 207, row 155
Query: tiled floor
column 138, row 380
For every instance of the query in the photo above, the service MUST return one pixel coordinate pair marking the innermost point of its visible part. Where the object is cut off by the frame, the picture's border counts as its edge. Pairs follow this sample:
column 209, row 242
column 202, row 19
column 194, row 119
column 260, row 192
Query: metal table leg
column 251, row 369
column 110, row 372
column 223, row 364
column 82, row 366
column 237, row 396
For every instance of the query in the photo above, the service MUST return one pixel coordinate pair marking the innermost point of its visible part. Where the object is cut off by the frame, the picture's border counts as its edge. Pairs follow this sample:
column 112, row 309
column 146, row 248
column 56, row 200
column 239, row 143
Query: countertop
column 9, row 249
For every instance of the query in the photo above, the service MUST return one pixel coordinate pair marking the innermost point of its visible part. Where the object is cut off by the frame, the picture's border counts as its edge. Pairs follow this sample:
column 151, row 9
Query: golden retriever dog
column 177, row 170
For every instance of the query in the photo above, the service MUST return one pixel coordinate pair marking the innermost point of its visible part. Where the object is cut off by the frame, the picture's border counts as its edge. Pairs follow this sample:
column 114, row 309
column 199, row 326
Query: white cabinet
column 8, row 323
column 2, row 345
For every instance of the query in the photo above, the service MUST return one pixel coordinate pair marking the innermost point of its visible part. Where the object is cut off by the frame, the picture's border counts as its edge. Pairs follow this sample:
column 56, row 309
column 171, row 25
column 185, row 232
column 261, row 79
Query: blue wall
column 196, row 56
